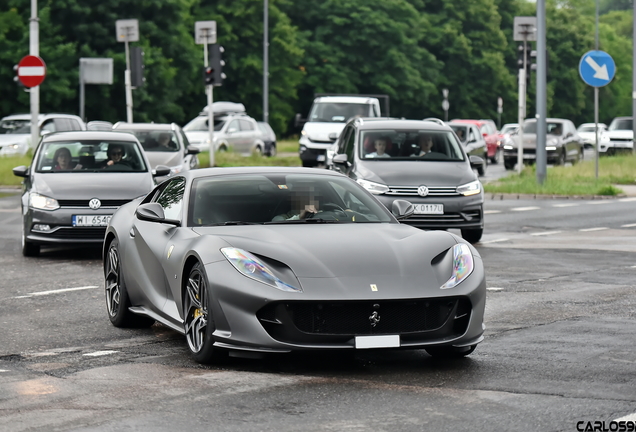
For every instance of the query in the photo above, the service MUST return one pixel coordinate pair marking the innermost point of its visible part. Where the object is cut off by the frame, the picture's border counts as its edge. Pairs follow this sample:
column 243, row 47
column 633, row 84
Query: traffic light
column 208, row 75
column 215, row 52
column 137, row 66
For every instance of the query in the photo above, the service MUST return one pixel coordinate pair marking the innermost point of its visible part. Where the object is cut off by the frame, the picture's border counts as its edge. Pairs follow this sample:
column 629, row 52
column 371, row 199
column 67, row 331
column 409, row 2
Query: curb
column 503, row 196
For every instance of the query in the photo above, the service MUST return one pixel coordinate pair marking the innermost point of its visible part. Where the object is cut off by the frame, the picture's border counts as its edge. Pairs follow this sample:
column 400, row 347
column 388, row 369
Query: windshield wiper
column 233, row 223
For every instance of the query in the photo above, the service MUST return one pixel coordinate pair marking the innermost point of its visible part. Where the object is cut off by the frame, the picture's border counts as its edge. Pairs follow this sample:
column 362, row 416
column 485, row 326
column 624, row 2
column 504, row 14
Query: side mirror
column 21, row 171
column 160, row 171
column 299, row 121
column 192, row 150
column 402, row 209
column 153, row 212
column 476, row 162
column 340, row 159
column 333, row 136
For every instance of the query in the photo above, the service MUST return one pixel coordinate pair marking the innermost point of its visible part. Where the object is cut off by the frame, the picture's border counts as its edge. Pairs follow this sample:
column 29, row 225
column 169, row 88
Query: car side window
column 63, row 125
column 246, row 125
column 233, row 126
column 184, row 139
column 171, row 198
column 343, row 139
column 348, row 150
column 48, row 125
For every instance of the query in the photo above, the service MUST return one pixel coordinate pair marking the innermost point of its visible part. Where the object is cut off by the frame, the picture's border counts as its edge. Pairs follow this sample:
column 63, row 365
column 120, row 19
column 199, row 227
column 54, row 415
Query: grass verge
column 287, row 146
column 228, row 159
column 578, row 179
column 7, row 163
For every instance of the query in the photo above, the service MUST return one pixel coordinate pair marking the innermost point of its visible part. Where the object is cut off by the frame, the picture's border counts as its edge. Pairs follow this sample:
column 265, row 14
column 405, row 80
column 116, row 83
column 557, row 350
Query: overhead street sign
column 31, row 71
column 127, row 30
column 525, row 28
column 205, row 32
column 597, row 68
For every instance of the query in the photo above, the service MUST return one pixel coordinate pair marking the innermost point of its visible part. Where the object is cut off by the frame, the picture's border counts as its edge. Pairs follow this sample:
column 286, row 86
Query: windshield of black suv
column 89, row 156
column 552, row 128
column 331, row 112
column 399, row 144
column 621, row 124
column 200, row 124
column 156, row 140
column 15, row 127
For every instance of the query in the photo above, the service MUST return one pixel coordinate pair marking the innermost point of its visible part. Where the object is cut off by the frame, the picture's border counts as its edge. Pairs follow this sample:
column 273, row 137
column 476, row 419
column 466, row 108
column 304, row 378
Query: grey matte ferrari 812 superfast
column 270, row 260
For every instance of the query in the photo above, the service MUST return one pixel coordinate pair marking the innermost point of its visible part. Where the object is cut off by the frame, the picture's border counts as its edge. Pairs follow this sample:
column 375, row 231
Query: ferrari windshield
column 281, row 199
column 400, row 145
column 89, row 156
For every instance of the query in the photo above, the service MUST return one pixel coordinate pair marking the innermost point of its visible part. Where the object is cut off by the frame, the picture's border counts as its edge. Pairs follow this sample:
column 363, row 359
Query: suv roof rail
column 224, row 107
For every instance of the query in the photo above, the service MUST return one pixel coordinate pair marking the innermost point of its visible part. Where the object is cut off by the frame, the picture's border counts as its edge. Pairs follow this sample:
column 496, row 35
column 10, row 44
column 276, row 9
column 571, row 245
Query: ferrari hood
column 337, row 251
column 115, row 185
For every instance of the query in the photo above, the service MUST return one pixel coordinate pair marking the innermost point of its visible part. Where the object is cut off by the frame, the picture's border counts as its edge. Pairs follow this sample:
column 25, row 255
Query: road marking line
column 99, row 353
column 628, row 225
column 525, row 208
column 599, row 202
column 63, row 290
column 629, row 417
column 15, row 210
column 4, row 370
column 495, row 241
column 593, row 229
column 545, row 233
column 494, row 289
column 491, row 211
column 627, row 199
column 566, row 205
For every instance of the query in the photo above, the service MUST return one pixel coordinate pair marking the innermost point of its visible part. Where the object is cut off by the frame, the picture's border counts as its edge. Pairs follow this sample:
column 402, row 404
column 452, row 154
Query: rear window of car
column 406, row 145
column 89, row 156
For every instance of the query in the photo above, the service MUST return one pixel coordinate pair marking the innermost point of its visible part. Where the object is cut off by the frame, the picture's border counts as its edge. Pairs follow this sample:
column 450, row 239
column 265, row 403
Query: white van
column 327, row 118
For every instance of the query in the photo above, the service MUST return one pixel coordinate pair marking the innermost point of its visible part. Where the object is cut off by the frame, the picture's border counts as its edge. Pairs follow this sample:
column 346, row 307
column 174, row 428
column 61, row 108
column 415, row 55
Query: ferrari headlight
column 463, row 265
column 253, row 268
column 471, row 188
column 373, row 187
column 42, row 202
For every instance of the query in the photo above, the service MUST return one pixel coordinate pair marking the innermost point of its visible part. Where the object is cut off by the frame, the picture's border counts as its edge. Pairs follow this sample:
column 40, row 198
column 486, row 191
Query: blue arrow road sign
column 597, row 68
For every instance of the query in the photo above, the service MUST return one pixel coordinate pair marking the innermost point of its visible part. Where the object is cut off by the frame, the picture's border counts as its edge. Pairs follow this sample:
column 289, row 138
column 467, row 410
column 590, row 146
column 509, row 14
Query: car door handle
column 132, row 232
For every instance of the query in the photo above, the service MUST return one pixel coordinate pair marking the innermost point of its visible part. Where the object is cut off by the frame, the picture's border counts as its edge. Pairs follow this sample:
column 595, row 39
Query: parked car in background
column 440, row 183
column 99, row 125
column 619, row 137
column 509, row 129
column 234, row 130
column 76, row 182
column 488, row 130
column 473, row 142
column 588, row 137
column 15, row 130
column 269, row 138
column 164, row 144
column 563, row 143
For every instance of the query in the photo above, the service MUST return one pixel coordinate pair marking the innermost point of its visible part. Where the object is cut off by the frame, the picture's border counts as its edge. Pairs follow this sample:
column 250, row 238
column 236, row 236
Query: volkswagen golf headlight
column 463, row 265
column 42, row 202
column 471, row 188
column 373, row 187
column 253, row 268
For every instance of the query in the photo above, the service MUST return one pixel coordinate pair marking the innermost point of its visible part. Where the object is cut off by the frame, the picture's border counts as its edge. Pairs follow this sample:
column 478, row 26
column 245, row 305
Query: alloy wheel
column 196, row 307
column 113, row 287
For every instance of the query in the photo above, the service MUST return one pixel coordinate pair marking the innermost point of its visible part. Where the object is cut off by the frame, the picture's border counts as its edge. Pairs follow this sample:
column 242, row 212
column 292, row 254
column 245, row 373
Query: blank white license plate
column 429, row 208
column 320, row 158
column 388, row 341
column 91, row 220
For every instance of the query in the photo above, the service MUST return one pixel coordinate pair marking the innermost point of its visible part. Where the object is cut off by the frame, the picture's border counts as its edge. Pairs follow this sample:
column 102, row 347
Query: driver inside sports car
column 305, row 204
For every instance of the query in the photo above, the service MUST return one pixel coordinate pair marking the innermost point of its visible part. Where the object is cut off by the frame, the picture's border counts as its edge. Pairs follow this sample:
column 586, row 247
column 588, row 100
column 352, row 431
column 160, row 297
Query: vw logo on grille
column 422, row 190
column 94, row 203
column 374, row 319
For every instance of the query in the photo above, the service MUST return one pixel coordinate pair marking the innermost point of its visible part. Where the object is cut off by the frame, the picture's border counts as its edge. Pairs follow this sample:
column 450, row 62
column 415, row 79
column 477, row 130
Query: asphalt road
column 559, row 347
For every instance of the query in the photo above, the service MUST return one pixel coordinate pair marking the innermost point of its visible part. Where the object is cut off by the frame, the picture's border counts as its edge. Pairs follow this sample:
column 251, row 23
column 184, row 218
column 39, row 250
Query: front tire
column 509, row 165
column 472, row 235
column 199, row 323
column 29, row 249
column 272, row 150
column 450, row 352
column 117, row 301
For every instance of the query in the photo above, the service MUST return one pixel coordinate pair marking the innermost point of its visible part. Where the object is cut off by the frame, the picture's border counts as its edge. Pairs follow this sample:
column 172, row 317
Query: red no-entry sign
column 31, row 71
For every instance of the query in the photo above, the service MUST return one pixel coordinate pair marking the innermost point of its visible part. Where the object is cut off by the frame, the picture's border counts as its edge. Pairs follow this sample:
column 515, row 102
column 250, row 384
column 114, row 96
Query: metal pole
column 82, row 96
column 208, row 92
column 541, row 94
column 633, row 85
column 129, row 101
column 34, row 93
column 596, row 127
column 265, row 61
column 522, row 102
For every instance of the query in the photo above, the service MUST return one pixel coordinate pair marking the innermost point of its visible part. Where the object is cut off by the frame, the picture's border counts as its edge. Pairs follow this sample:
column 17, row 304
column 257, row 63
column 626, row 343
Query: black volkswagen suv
column 418, row 161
